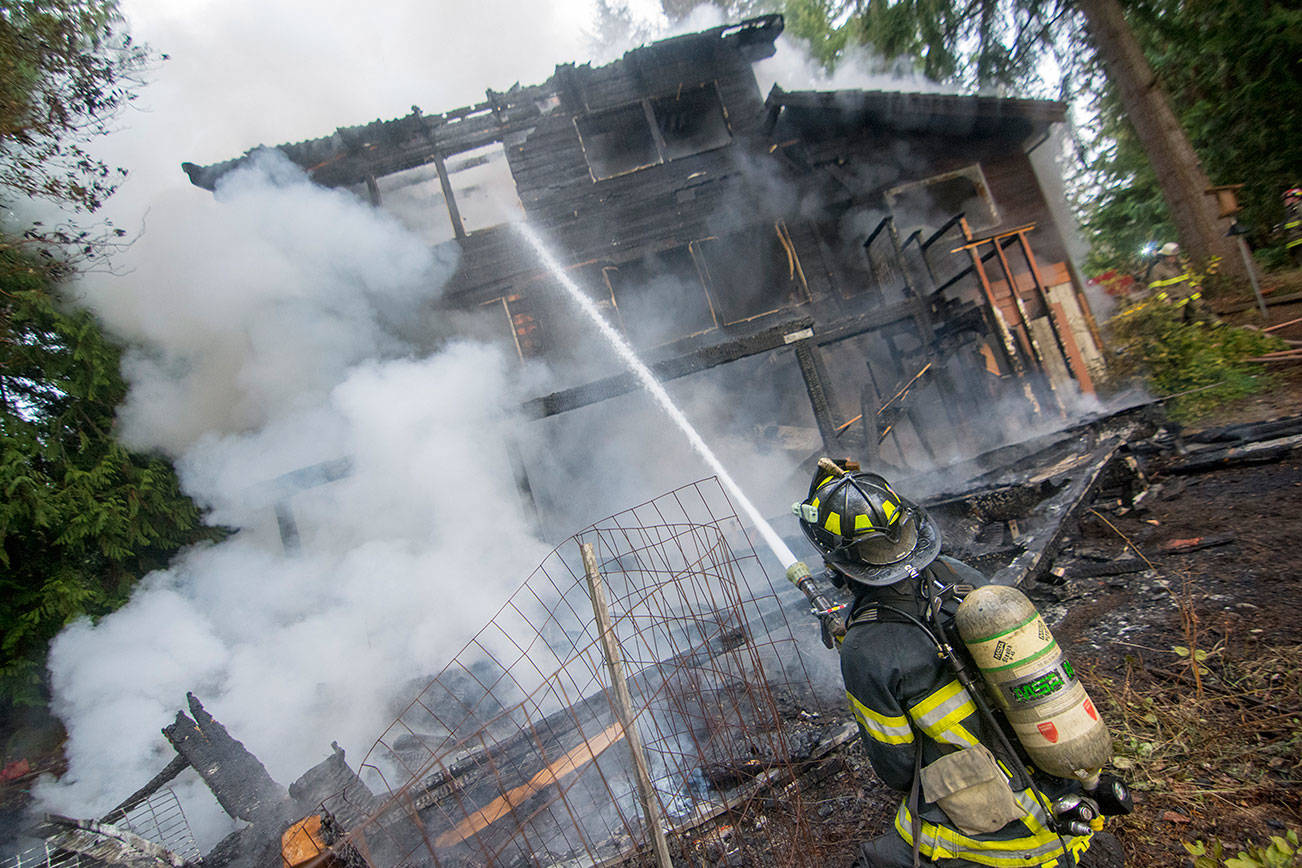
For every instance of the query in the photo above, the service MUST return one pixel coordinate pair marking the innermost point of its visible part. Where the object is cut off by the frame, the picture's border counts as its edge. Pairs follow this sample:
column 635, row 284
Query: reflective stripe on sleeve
column 1170, row 281
column 941, row 715
column 883, row 728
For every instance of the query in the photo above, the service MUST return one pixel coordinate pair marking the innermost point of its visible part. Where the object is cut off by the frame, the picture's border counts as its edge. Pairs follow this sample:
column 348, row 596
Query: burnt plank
column 669, row 369
column 236, row 777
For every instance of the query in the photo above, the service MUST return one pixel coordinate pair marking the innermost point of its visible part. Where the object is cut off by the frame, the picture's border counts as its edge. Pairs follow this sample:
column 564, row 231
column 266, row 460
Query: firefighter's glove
column 832, row 630
column 1112, row 796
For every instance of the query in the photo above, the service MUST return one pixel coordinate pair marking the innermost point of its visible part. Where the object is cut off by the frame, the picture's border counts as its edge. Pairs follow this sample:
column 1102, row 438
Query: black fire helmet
column 865, row 530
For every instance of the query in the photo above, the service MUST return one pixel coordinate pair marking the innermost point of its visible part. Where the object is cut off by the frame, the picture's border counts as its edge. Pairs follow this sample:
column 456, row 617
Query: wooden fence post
column 623, row 703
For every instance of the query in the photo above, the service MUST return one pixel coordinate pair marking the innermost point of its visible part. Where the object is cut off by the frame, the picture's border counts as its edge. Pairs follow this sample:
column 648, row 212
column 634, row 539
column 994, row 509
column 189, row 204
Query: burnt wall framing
column 838, row 207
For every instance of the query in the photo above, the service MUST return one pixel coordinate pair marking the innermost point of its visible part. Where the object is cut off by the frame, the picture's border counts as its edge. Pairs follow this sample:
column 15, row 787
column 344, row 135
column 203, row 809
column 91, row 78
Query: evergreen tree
column 82, row 518
column 66, row 66
column 990, row 43
column 1232, row 71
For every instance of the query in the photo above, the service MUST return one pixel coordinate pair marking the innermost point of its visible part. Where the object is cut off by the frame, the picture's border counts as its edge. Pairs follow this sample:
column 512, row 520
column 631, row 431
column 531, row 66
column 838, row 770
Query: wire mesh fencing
column 516, row 753
column 157, row 833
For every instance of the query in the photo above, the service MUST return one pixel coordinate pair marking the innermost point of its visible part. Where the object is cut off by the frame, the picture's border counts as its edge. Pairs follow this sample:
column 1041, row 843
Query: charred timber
column 1261, row 452
column 1060, row 509
column 669, row 369
column 237, row 779
column 94, row 842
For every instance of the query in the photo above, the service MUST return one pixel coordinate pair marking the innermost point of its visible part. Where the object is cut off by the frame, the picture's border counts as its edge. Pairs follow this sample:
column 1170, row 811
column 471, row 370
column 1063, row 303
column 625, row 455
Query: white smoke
column 276, row 326
column 281, row 348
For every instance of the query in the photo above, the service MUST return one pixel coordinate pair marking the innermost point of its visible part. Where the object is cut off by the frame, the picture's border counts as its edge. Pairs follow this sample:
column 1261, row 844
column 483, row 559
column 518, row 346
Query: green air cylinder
column 1035, row 686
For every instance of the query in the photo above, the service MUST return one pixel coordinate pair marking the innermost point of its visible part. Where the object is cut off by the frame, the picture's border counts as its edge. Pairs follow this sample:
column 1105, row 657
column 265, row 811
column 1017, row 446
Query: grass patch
column 1210, row 739
column 1203, row 364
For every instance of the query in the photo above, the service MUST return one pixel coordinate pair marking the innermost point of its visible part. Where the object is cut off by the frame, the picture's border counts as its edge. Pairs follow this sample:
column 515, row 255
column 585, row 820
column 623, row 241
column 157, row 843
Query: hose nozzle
column 798, row 573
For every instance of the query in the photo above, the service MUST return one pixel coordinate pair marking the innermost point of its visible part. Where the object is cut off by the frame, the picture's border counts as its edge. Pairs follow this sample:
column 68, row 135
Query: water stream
column 780, row 549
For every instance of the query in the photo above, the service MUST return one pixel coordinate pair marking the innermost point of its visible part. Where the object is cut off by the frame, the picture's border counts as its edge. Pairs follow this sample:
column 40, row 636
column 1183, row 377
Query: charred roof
column 350, row 155
column 942, row 114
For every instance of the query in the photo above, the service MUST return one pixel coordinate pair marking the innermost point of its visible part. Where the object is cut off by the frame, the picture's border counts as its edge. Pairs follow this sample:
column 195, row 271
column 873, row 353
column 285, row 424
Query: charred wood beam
column 1248, row 432
column 720, row 354
column 1260, row 452
column 1042, row 543
column 385, row 147
column 173, row 768
column 102, row 843
column 237, row 779
column 811, row 370
column 449, row 199
column 331, row 785
column 856, row 325
column 669, row 369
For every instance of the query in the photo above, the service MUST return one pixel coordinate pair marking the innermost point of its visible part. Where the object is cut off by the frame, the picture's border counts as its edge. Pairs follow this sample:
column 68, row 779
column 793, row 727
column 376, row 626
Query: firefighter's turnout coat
column 906, row 698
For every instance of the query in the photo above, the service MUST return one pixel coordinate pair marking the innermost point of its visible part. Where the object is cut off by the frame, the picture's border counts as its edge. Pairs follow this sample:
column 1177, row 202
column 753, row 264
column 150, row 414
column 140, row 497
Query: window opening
column 660, row 297
column 653, row 131
column 691, row 121
column 415, row 198
column 617, row 141
column 929, row 203
column 752, row 273
column 484, row 187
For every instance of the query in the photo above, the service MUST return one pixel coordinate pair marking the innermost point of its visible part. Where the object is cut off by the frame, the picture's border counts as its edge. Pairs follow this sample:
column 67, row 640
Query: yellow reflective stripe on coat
column 1170, row 281
column 940, row 715
column 883, row 728
column 1040, row 848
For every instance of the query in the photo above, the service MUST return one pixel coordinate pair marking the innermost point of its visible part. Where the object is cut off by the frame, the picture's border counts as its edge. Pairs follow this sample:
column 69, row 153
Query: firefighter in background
column 920, row 726
column 1292, row 225
column 1170, row 279
column 1165, row 272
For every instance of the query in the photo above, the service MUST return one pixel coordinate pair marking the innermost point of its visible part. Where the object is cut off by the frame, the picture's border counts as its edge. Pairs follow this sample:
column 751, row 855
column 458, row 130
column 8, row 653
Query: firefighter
column 1165, row 273
column 914, row 715
column 1292, row 225
column 1172, row 281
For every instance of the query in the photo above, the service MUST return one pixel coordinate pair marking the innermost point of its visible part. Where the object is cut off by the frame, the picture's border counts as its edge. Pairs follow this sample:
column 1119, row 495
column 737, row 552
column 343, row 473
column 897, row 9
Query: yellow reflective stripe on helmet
column 833, row 523
column 891, row 511
column 862, row 522
column 883, row 728
column 940, row 715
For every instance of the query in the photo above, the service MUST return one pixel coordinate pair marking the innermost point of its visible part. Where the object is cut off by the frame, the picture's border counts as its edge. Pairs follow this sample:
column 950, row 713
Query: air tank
column 1033, row 683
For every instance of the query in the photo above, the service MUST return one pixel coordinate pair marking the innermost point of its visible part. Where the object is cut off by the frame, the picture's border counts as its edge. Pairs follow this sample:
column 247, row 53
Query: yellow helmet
column 865, row 530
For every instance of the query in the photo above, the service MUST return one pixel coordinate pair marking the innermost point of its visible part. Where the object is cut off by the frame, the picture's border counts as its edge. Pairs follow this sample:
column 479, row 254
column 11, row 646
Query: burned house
column 890, row 258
